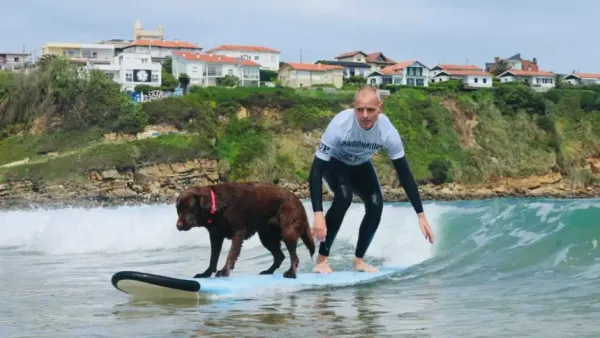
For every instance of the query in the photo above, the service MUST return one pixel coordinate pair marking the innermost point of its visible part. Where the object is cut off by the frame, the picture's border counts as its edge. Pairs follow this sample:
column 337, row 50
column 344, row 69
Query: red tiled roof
column 527, row 73
column 165, row 44
column 243, row 48
column 397, row 68
column 459, row 67
column 587, row 75
column 214, row 58
column 347, row 54
column 372, row 57
column 464, row 72
column 312, row 66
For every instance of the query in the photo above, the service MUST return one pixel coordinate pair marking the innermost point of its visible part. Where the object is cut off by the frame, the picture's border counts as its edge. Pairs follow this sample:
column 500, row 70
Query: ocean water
column 498, row 268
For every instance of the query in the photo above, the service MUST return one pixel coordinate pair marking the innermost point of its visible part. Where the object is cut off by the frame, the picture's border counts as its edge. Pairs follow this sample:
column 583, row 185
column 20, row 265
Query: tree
column 228, row 81
column 184, row 81
column 500, row 67
column 45, row 60
column 167, row 65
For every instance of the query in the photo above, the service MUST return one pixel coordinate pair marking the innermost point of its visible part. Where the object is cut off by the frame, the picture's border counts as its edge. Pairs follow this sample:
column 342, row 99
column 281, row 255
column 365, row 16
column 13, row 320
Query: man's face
column 367, row 108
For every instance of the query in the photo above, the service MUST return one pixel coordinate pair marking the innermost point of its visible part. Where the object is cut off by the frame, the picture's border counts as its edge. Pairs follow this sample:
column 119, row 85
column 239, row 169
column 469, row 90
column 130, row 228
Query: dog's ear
column 199, row 199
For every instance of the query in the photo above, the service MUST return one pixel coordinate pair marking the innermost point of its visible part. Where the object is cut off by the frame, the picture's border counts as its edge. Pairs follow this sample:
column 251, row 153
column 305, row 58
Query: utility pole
column 300, row 55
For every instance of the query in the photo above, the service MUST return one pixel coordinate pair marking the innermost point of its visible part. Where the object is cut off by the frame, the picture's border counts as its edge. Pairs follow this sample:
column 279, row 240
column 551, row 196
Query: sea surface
column 498, row 268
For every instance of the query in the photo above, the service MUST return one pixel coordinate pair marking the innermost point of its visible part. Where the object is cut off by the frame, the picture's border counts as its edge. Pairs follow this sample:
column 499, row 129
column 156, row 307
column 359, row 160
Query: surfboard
column 147, row 285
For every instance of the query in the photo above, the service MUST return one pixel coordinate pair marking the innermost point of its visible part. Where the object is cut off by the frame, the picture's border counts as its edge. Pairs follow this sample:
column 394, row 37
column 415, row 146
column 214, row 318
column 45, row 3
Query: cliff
column 84, row 142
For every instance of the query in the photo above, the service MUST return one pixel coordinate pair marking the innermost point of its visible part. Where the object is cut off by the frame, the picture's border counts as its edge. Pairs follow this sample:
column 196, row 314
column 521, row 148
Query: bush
column 440, row 170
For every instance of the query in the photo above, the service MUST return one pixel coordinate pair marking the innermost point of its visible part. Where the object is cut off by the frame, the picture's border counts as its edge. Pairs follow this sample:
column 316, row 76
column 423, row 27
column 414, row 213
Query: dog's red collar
column 213, row 204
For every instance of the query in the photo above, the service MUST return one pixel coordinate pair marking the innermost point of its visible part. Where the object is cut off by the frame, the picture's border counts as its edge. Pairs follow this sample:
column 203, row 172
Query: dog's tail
column 308, row 240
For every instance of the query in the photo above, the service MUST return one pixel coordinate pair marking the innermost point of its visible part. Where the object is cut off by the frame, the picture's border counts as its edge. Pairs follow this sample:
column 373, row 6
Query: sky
column 559, row 33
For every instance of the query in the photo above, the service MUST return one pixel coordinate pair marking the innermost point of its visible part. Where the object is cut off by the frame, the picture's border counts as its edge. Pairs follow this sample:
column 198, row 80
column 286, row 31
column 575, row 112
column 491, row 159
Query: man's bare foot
column 322, row 265
column 360, row 265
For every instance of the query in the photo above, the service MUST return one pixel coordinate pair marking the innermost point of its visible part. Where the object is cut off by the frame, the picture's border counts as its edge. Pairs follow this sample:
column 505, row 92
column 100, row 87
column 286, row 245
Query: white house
column 268, row 58
column 306, row 75
column 471, row 78
column 81, row 53
column 411, row 73
column 204, row 69
column 445, row 66
column 375, row 60
column 537, row 80
column 582, row 79
column 132, row 69
column 159, row 49
column 14, row 61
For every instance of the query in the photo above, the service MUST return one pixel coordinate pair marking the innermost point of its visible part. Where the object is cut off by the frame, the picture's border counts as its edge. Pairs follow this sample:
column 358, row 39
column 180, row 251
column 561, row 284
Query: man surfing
column 343, row 159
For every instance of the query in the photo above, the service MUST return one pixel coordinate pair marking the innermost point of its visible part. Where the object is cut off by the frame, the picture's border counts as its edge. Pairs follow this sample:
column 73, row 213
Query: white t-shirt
column 345, row 140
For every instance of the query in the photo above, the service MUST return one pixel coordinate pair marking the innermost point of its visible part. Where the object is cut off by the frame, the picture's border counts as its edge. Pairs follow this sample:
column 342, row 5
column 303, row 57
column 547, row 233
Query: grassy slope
column 512, row 131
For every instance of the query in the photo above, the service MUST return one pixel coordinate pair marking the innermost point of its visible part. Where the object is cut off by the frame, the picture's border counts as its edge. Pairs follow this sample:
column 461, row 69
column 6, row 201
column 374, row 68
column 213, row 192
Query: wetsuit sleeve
column 329, row 141
column 408, row 183
column 395, row 150
column 315, row 184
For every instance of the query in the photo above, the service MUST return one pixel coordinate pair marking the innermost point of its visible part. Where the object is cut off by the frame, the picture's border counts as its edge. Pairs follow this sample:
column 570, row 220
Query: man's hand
column 319, row 226
column 425, row 229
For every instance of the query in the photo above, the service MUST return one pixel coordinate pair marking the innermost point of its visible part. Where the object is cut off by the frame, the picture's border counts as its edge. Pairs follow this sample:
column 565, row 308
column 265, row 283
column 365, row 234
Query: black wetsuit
column 361, row 179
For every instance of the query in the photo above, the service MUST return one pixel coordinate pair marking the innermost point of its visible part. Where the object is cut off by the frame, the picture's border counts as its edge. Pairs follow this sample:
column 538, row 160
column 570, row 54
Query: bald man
column 343, row 159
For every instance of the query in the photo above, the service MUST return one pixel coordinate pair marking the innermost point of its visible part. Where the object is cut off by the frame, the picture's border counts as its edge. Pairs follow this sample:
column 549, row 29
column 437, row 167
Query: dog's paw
column 223, row 273
column 266, row 272
column 289, row 274
column 205, row 274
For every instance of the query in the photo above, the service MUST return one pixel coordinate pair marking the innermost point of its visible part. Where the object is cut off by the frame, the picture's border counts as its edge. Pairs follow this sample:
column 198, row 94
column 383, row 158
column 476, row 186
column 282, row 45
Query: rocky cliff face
column 155, row 183
column 161, row 183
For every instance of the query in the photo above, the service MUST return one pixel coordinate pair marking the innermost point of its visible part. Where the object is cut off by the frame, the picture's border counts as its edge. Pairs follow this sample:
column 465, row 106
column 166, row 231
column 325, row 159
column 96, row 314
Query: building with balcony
column 159, row 49
column 81, row 52
column 267, row 58
column 205, row 69
column 132, row 69
column 15, row 61
column 408, row 73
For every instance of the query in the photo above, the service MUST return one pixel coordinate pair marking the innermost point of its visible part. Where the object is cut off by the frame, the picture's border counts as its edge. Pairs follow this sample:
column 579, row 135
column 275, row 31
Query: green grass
column 163, row 149
column 517, row 132
column 18, row 147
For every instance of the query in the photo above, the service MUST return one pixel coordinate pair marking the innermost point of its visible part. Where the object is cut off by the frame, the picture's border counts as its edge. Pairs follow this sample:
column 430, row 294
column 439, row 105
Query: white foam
column 76, row 230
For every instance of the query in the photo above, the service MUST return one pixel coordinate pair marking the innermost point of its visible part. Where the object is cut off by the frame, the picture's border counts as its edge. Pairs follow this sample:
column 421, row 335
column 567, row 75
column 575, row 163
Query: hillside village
column 148, row 59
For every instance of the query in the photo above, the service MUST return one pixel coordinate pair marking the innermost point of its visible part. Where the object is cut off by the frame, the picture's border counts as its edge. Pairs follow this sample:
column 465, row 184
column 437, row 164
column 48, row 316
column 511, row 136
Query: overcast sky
column 561, row 34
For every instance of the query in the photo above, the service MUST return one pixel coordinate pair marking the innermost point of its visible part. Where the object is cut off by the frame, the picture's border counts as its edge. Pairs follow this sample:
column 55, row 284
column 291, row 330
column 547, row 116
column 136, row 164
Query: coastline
column 160, row 184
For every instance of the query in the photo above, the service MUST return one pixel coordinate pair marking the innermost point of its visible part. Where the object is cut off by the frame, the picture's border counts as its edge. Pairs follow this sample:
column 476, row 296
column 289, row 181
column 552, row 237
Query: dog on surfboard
column 237, row 211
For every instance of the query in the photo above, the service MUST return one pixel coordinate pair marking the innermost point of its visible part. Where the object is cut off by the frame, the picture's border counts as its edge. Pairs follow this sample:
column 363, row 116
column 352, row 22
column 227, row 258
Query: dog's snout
column 180, row 223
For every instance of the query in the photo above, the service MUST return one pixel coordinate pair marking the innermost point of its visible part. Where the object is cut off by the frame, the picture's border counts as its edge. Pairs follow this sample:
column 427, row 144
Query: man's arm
column 329, row 140
column 408, row 183
column 396, row 154
column 315, row 184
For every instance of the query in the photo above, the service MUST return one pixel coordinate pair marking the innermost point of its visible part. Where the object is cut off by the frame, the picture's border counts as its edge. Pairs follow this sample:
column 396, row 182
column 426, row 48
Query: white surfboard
column 146, row 285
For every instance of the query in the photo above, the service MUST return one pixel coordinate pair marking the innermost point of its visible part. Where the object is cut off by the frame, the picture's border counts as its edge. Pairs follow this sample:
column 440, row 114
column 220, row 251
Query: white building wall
column 267, row 60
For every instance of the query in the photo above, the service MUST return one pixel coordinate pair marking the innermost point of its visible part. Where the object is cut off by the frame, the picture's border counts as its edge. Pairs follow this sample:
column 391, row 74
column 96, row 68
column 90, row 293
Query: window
column 256, row 57
column 212, row 70
column 484, row 80
column 230, row 72
column 476, row 80
column 155, row 78
column 129, row 76
column 144, row 61
column 16, row 59
column 273, row 58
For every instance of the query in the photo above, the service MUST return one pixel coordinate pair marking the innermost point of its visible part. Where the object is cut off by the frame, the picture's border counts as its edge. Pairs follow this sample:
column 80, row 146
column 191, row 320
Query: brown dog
column 237, row 211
